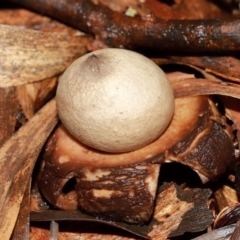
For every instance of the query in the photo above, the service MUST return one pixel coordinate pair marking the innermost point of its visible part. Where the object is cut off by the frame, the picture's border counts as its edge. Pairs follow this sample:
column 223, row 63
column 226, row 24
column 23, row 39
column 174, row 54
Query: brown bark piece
column 17, row 159
column 117, row 30
column 179, row 211
column 9, row 108
column 29, row 56
column 168, row 212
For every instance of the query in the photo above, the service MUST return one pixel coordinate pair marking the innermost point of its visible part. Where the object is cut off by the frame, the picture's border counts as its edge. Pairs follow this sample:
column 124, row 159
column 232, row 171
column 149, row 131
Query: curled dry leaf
column 17, row 159
column 29, row 56
column 200, row 86
column 211, row 67
column 222, row 66
column 227, row 216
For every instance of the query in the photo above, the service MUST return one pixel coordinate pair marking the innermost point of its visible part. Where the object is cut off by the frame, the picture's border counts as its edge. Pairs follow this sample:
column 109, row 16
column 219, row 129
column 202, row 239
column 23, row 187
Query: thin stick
column 53, row 230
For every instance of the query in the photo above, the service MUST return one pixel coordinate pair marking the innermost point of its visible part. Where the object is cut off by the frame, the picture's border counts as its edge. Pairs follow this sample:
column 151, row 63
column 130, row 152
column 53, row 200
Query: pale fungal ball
column 115, row 100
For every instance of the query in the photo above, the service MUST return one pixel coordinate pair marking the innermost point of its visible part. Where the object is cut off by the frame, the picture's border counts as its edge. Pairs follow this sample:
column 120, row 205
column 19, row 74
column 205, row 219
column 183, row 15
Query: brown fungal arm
column 122, row 193
column 117, row 30
column 123, row 186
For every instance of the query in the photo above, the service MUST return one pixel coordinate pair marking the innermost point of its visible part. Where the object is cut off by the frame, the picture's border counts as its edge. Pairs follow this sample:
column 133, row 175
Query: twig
column 53, row 230
column 118, row 30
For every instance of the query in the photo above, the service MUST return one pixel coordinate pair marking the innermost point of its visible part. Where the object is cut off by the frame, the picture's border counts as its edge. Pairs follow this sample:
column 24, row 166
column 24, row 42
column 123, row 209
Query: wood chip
column 225, row 196
column 178, row 211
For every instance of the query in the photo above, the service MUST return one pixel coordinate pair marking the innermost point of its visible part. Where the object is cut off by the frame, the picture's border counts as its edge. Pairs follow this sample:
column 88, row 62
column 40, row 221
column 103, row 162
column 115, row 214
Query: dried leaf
column 29, row 56
column 17, row 159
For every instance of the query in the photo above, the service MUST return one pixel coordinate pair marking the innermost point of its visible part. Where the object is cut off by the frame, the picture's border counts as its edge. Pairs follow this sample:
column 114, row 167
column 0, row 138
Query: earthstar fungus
column 115, row 100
